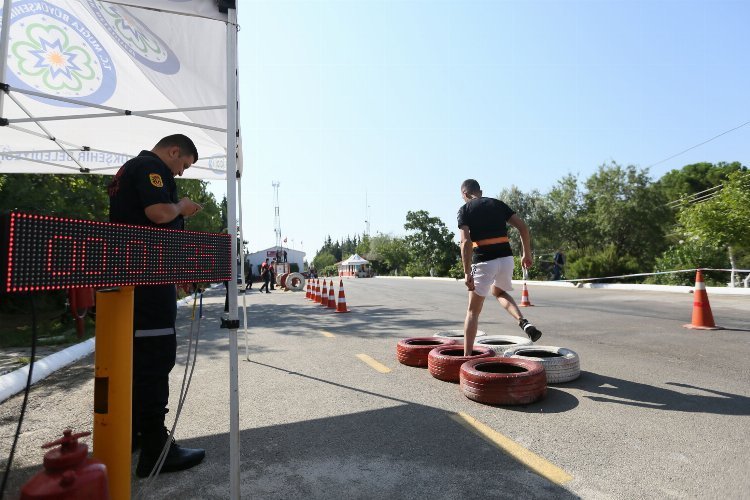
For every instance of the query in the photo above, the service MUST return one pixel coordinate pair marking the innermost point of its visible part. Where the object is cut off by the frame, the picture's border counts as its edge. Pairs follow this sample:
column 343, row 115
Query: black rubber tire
column 503, row 381
column 414, row 351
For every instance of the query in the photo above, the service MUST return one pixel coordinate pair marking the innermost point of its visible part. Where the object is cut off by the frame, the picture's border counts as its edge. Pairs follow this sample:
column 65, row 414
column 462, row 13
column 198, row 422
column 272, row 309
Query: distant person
column 558, row 262
column 487, row 257
column 272, row 273
column 248, row 274
column 265, row 276
column 285, row 256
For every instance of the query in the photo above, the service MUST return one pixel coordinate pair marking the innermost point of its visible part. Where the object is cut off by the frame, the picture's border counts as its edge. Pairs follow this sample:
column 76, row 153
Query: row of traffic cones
column 325, row 296
column 703, row 318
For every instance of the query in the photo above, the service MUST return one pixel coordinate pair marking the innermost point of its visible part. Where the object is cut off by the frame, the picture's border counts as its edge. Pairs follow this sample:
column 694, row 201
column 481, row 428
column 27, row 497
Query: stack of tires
column 501, row 370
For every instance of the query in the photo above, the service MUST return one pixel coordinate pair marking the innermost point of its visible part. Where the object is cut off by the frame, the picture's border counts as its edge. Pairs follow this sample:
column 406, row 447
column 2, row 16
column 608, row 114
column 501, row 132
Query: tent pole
column 4, row 48
column 234, row 404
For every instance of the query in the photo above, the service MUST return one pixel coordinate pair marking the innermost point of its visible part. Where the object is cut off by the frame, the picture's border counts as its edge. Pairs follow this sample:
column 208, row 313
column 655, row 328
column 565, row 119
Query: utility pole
column 367, row 217
column 276, row 216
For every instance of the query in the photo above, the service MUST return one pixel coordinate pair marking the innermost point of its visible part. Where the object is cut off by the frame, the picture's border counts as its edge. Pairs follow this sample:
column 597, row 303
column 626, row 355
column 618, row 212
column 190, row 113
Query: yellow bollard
column 113, row 386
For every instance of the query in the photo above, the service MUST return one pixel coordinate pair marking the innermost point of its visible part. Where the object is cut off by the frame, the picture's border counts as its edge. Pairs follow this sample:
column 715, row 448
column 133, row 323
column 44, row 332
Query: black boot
column 178, row 458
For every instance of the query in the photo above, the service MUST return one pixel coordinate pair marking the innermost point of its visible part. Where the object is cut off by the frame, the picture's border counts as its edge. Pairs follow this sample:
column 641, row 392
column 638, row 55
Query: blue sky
column 399, row 101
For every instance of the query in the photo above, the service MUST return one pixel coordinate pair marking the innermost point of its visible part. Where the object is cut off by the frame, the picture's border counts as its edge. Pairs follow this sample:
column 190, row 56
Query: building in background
column 292, row 256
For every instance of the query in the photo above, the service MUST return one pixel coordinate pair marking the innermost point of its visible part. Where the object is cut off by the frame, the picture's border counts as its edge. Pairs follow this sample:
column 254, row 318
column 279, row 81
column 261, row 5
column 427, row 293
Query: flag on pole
column 284, row 240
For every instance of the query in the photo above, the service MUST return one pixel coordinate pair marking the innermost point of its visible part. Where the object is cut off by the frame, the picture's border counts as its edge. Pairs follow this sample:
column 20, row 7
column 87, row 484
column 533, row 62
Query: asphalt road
column 659, row 411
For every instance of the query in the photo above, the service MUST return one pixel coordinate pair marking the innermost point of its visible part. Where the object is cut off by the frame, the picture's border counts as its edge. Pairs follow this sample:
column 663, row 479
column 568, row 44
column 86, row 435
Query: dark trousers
column 265, row 284
column 153, row 359
column 155, row 309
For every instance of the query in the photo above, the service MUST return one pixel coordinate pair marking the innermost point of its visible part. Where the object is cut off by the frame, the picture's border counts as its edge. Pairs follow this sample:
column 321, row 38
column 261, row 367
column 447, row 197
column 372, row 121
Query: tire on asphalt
column 561, row 364
column 503, row 381
column 295, row 282
column 414, row 351
column 456, row 334
column 501, row 343
column 445, row 362
column 282, row 280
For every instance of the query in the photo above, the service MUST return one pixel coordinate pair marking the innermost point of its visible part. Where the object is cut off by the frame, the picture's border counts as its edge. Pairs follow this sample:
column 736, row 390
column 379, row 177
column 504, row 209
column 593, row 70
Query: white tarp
column 119, row 57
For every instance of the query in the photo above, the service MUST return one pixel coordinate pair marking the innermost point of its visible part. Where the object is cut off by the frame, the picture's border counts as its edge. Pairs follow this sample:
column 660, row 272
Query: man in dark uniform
column 487, row 257
column 144, row 192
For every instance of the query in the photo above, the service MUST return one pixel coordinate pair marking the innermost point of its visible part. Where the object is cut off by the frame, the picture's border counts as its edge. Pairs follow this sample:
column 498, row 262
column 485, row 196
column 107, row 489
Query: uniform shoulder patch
column 156, row 180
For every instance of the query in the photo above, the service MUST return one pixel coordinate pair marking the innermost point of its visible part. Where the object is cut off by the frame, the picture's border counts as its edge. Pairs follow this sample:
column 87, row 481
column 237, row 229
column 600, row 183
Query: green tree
column 534, row 209
column 691, row 179
column 567, row 229
column 212, row 217
column 323, row 260
column 430, row 244
column 623, row 209
column 77, row 196
column 723, row 219
column 388, row 254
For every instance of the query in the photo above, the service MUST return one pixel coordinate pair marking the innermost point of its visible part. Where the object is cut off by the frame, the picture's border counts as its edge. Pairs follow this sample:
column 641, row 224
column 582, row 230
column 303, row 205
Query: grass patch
column 15, row 330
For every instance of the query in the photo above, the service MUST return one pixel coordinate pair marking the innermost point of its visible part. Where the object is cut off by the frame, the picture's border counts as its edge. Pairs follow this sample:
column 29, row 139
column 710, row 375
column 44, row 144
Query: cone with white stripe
column 307, row 290
column 703, row 319
column 525, row 302
column 331, row 296
column 317, row 291
column 324, row 295
column 341, row 306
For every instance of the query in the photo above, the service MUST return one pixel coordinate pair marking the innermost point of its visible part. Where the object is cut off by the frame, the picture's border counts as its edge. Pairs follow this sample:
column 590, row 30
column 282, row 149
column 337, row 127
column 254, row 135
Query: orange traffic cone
column 703, row 319
column 307, row 290
column 341, row 306
column 331, row 297
column 324, row 295
column 317, row 291
column 525, row 302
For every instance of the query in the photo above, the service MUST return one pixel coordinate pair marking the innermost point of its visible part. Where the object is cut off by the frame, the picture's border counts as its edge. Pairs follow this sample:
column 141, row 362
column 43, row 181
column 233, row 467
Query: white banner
column 122, row 58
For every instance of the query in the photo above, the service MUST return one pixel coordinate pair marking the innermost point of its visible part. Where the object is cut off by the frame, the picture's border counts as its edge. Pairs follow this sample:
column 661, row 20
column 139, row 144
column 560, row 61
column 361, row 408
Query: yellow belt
column 490, row 241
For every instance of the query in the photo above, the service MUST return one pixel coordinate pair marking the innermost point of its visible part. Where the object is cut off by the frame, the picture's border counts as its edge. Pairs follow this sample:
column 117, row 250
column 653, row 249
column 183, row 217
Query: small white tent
column 354, row 266
column 86, row 84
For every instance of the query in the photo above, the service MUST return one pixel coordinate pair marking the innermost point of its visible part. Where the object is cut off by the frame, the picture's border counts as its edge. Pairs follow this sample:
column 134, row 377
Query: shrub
column 690, row 255
column 598, row 263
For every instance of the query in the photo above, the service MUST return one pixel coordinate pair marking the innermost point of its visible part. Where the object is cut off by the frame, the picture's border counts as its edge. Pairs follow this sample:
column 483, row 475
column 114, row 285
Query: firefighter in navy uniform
column 144, row 192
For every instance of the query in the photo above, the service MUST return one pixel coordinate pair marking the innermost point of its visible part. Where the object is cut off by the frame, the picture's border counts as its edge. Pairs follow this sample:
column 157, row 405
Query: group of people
column 268, row 275
column 144, row 193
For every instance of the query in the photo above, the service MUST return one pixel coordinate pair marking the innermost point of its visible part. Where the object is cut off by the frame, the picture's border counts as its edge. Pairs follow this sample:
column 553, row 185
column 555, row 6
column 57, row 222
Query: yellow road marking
column 374, row 364
column 531, row 460
column 327, row 334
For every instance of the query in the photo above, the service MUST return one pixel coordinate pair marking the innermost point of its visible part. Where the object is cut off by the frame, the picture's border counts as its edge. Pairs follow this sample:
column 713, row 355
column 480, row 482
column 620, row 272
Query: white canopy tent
column 87, row 84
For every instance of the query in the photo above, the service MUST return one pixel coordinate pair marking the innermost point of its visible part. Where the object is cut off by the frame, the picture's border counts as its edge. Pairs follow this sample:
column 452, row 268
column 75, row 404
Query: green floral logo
column 48, row 58
column 53, row 52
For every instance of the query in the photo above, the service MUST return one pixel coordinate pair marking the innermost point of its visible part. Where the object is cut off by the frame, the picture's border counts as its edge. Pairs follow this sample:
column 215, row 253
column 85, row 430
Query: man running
column 487, row 257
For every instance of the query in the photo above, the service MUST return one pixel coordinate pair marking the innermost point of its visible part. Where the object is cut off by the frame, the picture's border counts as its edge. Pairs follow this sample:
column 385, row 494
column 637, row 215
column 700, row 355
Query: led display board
column 41, row 252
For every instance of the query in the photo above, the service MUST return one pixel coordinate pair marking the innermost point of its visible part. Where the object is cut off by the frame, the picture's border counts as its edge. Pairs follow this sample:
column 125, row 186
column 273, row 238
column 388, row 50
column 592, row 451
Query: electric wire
column 192, row 347
column 698, row 145
column 6, row 473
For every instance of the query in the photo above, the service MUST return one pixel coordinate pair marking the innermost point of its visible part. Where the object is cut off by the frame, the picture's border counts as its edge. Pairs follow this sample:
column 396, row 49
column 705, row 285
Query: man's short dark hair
column 470, row 186
column 186, row 145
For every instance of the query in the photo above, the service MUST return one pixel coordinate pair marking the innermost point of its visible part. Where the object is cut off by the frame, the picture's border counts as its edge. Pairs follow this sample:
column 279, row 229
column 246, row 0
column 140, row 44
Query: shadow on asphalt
column 658, row 398
column 405, row 451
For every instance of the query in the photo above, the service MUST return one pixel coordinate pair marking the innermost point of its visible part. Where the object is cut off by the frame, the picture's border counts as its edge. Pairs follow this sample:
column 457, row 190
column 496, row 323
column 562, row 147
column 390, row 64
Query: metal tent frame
column 232, row 172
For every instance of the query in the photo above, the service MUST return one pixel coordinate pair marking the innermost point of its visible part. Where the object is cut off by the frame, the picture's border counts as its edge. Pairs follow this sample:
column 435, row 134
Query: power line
column 698, row 145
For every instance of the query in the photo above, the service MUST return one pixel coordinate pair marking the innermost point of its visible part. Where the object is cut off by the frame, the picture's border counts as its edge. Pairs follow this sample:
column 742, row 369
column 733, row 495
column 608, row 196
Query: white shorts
column 498, row 272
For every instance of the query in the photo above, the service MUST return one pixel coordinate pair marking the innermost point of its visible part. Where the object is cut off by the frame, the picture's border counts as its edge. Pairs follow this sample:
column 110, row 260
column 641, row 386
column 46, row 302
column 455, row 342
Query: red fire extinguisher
column 80, row 299
column 68, row 473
